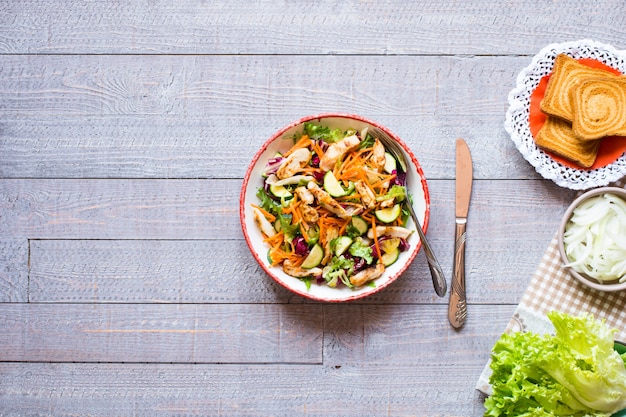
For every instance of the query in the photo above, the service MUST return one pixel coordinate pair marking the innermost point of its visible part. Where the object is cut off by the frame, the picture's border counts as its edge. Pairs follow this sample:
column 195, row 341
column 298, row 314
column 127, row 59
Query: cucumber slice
column 390, row 163
column 332, row 185
column 313, row 235
column 314, row 258
column 280, row 191
column 350, row 188
column 360, row 225
column 341, row 244
column 389, row 258
column 391, row 251
column 388, row 215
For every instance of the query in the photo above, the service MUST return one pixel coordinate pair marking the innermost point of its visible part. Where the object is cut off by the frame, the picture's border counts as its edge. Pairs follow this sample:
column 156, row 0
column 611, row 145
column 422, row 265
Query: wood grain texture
column 154, row 146
column 161, row 333
column 39, row 389
column 126, row 287
column 14, row 261
column 301, row 27
column 214, row 86
column 205, row 116
column 373, row 365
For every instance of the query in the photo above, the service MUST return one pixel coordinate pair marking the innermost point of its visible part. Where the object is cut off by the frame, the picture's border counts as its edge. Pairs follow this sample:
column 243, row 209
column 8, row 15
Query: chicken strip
column 367, row 275
column 378, row 155
column 294, row 163
column 325, row 200
column 304, row 195
column 298, row 272
column 337, row 150
column 309, row 214
column 367, row 196
column 392, row 231
column 331, row 233
column 266, row 227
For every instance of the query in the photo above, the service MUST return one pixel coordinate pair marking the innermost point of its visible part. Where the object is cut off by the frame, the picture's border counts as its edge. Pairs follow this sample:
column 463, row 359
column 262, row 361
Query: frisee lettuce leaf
column 575, row 372
column 324, row 133
column 362, row 250
column 267, row 203
column 339, row 269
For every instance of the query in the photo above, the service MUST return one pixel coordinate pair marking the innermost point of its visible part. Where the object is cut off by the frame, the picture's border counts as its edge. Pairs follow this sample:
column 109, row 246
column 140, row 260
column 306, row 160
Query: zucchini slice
column 314, row 258
column 280, row 191
column 388, row 215
column 341, row 244
column 390, row 163
column 391, row 251
column 333, row 186
column 360, row 225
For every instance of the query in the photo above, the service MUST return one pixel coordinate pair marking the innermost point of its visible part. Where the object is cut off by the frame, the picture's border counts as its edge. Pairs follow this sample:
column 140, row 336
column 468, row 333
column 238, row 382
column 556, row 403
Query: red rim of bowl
column 279, row 134
column 582, row 278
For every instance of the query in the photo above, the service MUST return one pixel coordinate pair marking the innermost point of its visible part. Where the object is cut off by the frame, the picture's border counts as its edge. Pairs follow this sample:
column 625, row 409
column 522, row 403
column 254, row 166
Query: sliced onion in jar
column 595, row 238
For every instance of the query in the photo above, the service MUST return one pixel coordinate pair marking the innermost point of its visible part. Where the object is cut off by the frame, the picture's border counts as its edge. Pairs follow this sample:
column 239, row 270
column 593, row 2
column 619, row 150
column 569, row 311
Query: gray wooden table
column 126, row 287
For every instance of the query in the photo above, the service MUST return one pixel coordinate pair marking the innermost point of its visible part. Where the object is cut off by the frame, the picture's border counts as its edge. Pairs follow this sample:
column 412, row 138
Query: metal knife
column 457, row 307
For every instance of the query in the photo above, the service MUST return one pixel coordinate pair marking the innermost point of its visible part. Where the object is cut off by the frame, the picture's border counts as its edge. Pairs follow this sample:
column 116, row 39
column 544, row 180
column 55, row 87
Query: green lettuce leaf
column 362, row 250
column 267, row 203
column 576, row 372
column 396, row 192
column 339, row 269
column 585, row 362
column 324, row 133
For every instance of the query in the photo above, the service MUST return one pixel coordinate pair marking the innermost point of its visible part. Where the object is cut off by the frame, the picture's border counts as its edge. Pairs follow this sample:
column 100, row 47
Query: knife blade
column 457, row 306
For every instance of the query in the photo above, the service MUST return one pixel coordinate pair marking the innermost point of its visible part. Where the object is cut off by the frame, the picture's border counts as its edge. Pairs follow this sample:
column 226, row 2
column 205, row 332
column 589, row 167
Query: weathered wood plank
column 191, row 117
column 114, row 209
column 214, row 86
column 371, row 366
column 13, row 270
column 42, row 389
column 149, row 271
column 327, row 27
column 223, row 146
column 221, row 271
column 161, row 333
column 410, row 335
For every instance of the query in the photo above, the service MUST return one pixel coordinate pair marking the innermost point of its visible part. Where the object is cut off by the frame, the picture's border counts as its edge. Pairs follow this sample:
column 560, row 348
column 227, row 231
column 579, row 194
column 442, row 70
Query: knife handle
column 457, row 307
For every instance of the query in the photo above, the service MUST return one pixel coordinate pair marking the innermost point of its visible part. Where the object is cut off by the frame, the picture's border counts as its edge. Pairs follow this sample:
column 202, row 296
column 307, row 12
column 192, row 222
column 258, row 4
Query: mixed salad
column 330, row 208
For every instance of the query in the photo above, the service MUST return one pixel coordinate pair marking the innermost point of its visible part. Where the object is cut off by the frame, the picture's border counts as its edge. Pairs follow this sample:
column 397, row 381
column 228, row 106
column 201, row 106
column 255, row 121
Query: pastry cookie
column 566, row 74
column 556, row 136
column 599, row 107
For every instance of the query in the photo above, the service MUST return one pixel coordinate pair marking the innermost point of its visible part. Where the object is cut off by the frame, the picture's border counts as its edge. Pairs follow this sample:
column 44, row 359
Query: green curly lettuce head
column 573, row 373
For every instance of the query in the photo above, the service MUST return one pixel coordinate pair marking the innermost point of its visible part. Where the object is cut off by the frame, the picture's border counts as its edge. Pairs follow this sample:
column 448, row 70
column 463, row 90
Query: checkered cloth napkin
column 552, row 288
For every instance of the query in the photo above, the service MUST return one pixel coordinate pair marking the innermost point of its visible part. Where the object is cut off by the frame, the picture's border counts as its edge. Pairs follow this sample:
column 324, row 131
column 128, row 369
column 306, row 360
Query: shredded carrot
column 342, row 230
column 275, row 240
column 296, row 214
column 317, row 149
column 303, row 230
column 304, row 142
column 386, row 178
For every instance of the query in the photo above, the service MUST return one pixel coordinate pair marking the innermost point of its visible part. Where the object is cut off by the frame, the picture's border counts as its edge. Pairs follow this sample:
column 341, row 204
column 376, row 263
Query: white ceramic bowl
column 583, row 278
column 281, row 141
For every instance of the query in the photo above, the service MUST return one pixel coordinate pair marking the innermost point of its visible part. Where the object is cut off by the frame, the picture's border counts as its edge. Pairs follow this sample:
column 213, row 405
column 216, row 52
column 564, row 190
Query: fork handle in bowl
column 439, row 280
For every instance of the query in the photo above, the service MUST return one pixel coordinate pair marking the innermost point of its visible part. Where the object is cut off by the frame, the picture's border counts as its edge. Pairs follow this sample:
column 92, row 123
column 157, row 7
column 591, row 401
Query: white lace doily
column 517, row 116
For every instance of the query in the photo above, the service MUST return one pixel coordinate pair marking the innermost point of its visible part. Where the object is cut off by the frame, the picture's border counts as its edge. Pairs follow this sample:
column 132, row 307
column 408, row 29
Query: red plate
column 611, row 148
